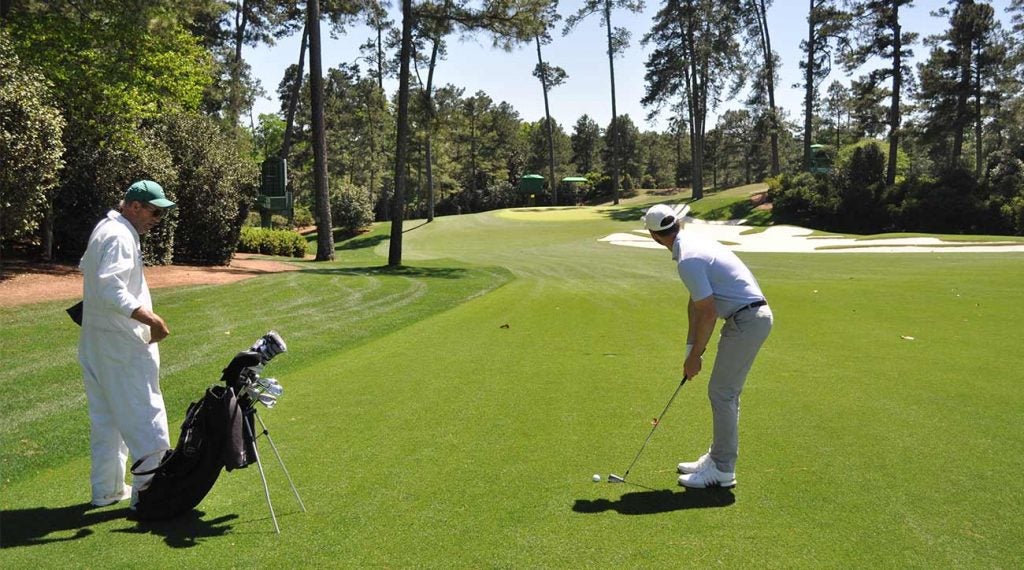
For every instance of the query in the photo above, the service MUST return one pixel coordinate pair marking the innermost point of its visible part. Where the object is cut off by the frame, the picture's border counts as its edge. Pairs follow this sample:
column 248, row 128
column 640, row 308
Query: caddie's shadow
column 44, row 525
column 652, row 502
column 39, row 526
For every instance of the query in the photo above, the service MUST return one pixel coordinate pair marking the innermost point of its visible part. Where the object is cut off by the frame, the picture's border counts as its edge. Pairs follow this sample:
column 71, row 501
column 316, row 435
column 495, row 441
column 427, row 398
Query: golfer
column 721, row 287
column 118, row 346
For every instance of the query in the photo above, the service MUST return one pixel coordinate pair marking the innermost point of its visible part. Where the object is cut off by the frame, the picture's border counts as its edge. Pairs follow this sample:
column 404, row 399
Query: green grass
column 451, row 413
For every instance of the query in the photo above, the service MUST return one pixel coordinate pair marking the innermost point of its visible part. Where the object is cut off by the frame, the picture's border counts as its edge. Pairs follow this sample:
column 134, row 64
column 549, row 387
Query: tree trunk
column 809, row 87
column 325, row 236
column 547, row 116
column 429, row 96
column 235, row 96
column 894, row 108
column 964, row 87
column 979, row 155
column 694, row 73
column 615, row 122
column 769, row 65
column 293, row 102
column 402, row 142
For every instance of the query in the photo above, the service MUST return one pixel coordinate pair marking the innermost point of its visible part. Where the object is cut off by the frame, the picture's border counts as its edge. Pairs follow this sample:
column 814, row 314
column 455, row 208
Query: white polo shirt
column 708, row 268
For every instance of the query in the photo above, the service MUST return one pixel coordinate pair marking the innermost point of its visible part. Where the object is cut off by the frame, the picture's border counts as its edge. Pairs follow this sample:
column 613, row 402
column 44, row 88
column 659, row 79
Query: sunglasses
column 154, row 211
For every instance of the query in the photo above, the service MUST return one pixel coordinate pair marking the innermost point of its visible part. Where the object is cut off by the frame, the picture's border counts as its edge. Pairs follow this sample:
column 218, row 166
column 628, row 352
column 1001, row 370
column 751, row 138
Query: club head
column 613, row 478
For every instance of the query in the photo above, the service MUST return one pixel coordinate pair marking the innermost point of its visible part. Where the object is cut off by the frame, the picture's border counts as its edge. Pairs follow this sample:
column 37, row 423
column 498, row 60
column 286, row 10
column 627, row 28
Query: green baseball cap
column 149, row 192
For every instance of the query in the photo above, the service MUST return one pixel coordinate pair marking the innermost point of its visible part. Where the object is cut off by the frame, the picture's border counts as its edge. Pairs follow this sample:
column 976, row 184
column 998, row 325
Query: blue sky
column 474, row 65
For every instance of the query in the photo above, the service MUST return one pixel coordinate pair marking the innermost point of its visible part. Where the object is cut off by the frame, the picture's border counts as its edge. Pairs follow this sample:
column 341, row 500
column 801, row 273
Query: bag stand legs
column 266, row 489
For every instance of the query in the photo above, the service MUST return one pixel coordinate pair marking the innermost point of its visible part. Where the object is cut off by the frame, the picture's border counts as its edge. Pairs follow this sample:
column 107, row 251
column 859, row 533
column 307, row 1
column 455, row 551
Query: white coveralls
column 120, row 367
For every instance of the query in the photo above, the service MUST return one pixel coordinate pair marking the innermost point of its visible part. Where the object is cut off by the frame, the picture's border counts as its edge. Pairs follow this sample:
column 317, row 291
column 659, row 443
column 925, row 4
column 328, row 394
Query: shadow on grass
column 34, row 526
column 40, row 526
column 184, row 531
column 653, row 502
column 630, row 214
column 361, row 243
column 734, row 211
column 398, row 271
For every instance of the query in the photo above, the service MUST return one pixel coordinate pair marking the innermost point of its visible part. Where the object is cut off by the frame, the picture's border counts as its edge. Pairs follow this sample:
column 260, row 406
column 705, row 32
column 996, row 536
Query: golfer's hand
column 692, row 365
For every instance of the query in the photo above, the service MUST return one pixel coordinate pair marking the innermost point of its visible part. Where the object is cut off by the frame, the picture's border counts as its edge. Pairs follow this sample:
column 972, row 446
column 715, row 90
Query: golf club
column 612, row 478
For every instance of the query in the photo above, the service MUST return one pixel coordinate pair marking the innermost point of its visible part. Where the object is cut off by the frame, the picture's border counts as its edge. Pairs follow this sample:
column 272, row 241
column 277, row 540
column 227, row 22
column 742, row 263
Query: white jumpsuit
column 120, row 367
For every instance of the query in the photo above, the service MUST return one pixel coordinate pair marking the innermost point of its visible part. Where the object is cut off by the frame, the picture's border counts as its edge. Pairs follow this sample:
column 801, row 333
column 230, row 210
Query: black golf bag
column 217, row 434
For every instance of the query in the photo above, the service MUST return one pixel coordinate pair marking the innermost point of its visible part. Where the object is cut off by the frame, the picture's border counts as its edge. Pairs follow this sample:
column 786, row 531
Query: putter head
column 613, row 478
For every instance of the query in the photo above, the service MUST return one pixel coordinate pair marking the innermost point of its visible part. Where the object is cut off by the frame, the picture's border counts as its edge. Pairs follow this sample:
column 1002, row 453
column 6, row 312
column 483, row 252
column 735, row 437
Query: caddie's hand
column 158, row 330
column 692, row 365
column 157, row 327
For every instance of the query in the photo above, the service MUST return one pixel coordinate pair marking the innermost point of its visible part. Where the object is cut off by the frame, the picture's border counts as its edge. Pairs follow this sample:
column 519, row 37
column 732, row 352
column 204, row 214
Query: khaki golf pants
column 741, row 339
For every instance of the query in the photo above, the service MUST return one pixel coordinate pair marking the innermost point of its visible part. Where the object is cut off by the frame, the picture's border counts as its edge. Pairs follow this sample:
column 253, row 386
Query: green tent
column 531, row 183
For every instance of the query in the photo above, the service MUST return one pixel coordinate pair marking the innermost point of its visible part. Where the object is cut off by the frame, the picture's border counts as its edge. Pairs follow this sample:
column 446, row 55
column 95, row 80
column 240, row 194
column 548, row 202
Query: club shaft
column 656, row 424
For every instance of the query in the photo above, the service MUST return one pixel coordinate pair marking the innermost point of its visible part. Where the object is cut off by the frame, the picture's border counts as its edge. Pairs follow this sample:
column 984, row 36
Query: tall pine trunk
column 547, row 119
column 293, row 101
column 615, row 122
column 894, row 108
column 402, row 142
column 979, row 154
column 325, row 236
column 769, row 66
column 809, row 87
column 428, row 95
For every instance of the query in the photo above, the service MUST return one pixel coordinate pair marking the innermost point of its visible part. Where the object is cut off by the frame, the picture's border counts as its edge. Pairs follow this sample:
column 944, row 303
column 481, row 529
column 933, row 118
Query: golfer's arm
column 703, row 316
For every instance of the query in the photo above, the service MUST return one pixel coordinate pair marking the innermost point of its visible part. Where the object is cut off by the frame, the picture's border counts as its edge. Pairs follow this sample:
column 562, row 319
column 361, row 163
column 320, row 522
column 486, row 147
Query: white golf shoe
column 710, row 476
column 125, row 493
column 695, row 466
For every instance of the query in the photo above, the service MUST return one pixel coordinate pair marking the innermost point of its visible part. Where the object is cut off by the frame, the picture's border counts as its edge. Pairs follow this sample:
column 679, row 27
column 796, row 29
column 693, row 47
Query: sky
column 474, row 65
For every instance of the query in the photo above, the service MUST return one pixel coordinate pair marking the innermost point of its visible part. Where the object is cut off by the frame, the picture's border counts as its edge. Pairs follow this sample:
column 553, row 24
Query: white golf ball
column 597, row 478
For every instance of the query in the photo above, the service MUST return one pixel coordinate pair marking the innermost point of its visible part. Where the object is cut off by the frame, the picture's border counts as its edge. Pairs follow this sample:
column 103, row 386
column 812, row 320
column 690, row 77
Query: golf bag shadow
column 218, row 433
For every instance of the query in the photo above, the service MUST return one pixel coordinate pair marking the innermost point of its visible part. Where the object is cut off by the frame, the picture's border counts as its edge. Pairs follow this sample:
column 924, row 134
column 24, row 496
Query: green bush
column 30, row 145
column 271, row 242
column 94, row 181
column 803, row 199
column 303, row 218
column 351, row 209
column 216, row 180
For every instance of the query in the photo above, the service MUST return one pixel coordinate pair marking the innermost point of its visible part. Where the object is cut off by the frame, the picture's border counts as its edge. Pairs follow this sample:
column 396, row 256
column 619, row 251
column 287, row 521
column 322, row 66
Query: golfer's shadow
column 652, row 502
column 39, row 526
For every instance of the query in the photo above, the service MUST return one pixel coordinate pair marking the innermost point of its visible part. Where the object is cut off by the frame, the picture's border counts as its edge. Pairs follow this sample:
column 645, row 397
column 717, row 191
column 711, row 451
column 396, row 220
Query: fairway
column 451, row 413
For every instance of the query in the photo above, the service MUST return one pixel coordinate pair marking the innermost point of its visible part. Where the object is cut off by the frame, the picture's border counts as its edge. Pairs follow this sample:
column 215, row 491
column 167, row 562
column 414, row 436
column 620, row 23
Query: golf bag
column 217, row 434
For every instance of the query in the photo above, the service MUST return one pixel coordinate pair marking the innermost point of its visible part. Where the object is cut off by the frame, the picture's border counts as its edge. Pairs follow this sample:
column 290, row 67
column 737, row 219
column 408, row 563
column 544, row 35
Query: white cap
column 662, row 216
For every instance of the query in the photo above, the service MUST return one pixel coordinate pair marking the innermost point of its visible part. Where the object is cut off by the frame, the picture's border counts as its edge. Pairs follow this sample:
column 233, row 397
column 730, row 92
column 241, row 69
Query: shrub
column 351, row 209
column 271, row 242
column 303, row 218
column 94, row 181
column 216, row 182
column 802, row 199
column 30, row 146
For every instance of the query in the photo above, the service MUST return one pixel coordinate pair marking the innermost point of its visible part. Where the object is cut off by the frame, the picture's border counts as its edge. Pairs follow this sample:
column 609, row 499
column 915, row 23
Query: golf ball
column 597, row 478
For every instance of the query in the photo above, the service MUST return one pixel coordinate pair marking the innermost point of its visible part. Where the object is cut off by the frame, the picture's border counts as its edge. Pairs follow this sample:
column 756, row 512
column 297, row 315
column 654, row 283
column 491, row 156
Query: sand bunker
column 793, row 239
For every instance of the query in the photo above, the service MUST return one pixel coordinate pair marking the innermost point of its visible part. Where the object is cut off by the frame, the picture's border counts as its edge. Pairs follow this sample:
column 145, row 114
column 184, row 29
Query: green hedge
column 271, row 242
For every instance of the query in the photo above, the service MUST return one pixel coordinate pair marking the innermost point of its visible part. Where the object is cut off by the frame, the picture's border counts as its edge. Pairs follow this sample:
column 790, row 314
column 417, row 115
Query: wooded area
column 97, row 93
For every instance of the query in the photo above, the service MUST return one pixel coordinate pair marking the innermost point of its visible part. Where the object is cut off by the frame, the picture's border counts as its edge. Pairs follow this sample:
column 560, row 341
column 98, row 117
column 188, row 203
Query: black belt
column 753, row 305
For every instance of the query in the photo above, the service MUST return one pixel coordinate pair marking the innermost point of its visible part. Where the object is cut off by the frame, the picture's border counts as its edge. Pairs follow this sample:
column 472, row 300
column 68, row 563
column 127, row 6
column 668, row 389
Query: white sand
column 793, row 239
